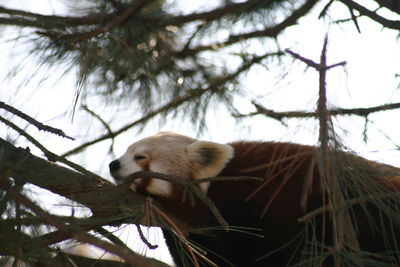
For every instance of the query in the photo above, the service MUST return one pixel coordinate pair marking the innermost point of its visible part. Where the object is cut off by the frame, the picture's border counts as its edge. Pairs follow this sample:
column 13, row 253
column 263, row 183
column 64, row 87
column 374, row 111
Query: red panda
column 285, row 219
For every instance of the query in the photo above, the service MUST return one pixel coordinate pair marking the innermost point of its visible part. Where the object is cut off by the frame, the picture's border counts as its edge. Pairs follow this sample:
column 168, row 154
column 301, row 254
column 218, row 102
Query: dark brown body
column 270, row 210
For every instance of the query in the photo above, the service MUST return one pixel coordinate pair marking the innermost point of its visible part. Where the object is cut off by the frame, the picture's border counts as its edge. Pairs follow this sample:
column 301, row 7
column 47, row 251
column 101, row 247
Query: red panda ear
column 209, row 158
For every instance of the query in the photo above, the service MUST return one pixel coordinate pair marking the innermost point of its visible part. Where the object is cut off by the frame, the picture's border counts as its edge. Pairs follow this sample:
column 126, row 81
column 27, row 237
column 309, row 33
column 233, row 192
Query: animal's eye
column 139, row 157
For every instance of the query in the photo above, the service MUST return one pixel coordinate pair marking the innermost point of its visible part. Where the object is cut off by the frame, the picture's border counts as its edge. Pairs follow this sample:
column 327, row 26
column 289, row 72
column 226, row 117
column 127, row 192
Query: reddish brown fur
column 273, row 206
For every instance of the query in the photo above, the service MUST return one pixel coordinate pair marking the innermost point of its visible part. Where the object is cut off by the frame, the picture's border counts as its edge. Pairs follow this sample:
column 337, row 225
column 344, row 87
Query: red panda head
column 171, row 154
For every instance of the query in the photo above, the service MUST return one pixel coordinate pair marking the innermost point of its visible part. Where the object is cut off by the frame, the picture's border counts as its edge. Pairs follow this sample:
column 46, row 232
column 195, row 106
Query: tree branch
column 391, row 24
column 115, row 21
column 40, row 126
column 80, row 235
column 172, row 104
column 363, row 112
column 64, row 21
column 111, row 204
column 94, row 192
column 50, row 155
column 56, row 21
column 393, row 5
column 267, row 32
column 205, row 16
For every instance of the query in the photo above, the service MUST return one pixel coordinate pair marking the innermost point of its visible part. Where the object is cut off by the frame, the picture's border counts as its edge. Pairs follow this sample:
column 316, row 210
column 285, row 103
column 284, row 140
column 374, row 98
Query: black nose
column 114, row 166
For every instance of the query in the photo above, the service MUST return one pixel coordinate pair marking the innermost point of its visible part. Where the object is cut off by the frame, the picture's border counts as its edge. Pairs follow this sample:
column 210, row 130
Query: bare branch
column 311, row 63
column 308, row 62
column 40, row 126
column 363, row 112
column 354, row 18
column 391, row 24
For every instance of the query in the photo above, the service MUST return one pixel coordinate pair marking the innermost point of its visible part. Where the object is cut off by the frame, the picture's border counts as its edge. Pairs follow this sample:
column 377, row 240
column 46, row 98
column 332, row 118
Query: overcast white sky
column 373, row 58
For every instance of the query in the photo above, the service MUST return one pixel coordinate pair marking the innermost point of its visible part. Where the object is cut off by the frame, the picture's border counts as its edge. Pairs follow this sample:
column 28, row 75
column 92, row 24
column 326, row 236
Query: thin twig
column 40, row 126
column 49, row 155
column 97, row 116
column 354, row 18
column 103, row 122
column 143, row 238
column 362, row 112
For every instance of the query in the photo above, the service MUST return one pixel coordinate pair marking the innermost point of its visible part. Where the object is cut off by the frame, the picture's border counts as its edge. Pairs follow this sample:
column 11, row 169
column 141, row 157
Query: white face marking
column 127, row 161
column 175, row 155
column 159, row 187
column 158, row 151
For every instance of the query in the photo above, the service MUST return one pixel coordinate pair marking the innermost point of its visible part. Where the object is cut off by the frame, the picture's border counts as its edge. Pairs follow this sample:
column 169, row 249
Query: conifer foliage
column 167, row 60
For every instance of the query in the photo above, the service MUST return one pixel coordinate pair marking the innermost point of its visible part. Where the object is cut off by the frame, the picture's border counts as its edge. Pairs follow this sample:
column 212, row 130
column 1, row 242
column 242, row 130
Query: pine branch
column 21, row 22
column 214, row 85
column 170, row 105
column 343, row 228
column 87, row 224
column 115, row 21
column 267, row 32
column 60, row 21
column 64, row 21
column 80, row 235
column 201, row 16
column 85, row 261
column 348, row 204
column 187, row 185
column 43, row 255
